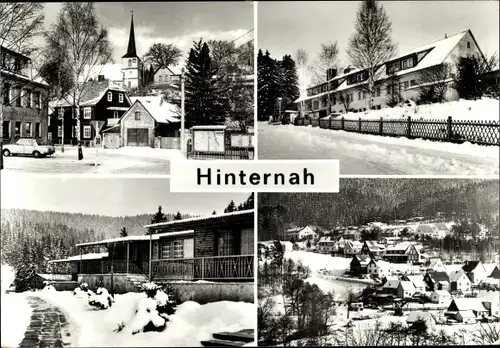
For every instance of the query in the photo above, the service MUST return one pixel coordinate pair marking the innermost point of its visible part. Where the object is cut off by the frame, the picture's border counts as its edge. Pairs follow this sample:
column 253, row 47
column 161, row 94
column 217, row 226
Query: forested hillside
column 31, row 238
column 364, row 200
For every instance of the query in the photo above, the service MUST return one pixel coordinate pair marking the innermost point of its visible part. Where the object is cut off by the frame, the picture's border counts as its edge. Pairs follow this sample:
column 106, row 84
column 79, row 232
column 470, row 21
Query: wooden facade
column 216, row 248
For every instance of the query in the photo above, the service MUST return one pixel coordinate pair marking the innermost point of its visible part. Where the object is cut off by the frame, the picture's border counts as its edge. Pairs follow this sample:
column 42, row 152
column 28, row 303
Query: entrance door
column 137, row 137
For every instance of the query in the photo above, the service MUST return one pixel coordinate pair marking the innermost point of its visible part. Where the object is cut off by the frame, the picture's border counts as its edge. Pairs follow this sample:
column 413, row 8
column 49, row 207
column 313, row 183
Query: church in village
column 135, row 74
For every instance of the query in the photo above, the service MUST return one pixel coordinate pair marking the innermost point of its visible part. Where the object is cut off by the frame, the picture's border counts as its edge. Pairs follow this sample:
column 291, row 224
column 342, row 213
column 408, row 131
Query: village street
column 375, row 155
column 126, row 160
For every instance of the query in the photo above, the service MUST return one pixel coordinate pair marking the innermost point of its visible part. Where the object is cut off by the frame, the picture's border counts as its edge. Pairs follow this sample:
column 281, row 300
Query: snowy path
column 48, row 326
column 376, row 155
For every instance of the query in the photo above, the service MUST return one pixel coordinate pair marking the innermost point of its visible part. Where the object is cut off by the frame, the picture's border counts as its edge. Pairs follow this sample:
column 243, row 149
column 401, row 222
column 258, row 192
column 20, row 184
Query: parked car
column 28, row 147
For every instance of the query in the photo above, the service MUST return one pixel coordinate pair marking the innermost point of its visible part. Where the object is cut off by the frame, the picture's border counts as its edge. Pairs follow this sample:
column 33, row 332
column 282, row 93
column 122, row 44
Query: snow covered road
column 126, row 160
column 363, row 154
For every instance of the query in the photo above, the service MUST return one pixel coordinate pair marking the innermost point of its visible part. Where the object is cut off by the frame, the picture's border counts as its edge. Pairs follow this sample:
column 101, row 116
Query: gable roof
column 470, row 266
column 442, row 293
column 407, row 285
column 417, row 281
column 489, row 268
column 434, row 54
column 456, row 275
column 439, row 276
column 93, row 92
column 160, row 110
column 466, row 304
column 392, row 284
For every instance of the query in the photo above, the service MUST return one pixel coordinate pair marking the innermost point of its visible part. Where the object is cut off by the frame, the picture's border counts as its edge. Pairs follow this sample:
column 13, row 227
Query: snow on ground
column 125, row 160
column 486, row 109
column 15, row 311
column 191, row 324
column 335, row 265
column 374, row 155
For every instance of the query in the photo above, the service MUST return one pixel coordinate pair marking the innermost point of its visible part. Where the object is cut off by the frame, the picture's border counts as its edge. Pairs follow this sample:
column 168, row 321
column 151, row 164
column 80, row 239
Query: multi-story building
column 23, row 98
column 345, row 92
column 100, row 101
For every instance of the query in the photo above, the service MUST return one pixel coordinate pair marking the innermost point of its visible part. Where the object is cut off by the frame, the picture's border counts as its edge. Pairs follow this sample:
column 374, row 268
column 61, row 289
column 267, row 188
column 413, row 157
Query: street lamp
column 183, row 145
column 280, row 99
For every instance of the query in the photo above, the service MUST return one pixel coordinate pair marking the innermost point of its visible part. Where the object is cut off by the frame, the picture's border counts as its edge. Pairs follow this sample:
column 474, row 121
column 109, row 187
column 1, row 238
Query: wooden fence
column 476, row 132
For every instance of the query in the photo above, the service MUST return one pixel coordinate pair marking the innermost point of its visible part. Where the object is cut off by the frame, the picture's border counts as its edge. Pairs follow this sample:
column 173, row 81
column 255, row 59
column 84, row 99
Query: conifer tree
column 202, row 105
column 230, row 208
column 123, row 232
column 159, row 217
column 178, row 216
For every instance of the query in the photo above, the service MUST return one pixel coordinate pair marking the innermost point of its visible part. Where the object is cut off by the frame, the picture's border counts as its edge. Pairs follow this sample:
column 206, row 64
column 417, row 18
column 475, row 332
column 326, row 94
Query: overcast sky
column 109, row 196
column 180, row 23
column 284, row 27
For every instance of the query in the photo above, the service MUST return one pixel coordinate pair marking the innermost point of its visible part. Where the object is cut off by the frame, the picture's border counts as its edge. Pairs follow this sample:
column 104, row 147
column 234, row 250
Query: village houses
column 460, row 282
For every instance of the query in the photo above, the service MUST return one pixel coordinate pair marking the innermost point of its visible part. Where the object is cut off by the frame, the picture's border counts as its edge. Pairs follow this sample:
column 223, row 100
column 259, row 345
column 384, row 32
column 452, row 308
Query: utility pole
column 183, row 116
column 150, row 253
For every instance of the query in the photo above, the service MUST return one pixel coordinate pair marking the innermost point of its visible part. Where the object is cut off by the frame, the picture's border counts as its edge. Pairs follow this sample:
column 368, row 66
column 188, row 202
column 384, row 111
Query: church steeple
column 131, row 53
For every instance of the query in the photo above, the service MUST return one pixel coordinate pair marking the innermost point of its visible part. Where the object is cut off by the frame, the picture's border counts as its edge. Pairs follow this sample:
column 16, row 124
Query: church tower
column 131, row 63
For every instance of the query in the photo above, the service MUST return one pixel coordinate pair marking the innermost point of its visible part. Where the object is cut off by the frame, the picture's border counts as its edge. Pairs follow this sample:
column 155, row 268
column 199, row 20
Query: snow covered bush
column 48, row 287
column 152, row 313
column 83, row 291
column 101, row 299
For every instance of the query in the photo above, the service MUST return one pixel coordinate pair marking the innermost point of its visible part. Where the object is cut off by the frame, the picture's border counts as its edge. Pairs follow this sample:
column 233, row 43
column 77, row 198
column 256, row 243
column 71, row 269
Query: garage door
column 137, row 137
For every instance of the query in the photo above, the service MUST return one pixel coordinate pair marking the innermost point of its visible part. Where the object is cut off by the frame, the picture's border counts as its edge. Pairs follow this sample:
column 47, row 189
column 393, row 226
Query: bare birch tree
column 326, row 59
column 83, row 44
column 371, row 45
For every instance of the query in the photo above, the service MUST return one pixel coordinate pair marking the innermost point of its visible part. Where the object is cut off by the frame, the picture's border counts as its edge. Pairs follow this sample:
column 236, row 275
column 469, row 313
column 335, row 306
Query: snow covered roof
column 465, row 304
column 90, row 256
column 466, row 314
column 456, row 275
column 392, row 284
column 489, row 267
column 398, row 247
column 201, row 218
column 492, row 296
column 439, row 276
column 155, row 236
column 442, row 293
column 159, row 109
column 417, row 281
column 34, row 78
column 92, row 93
column 407, row 285
column 436, row 54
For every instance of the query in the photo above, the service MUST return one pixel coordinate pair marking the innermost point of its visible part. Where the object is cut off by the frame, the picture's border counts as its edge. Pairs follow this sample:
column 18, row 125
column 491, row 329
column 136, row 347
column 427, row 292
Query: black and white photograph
column 385, row 262
column 125, row 88
column 386, row 87
column 107, row 262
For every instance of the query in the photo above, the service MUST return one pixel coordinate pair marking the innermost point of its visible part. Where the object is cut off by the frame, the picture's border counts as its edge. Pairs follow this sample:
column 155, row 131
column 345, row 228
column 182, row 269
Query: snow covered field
column 191, row 324
column 125, row 160
column 376, row 155
column 15, row 312
column 335, row 265
column 486, row 109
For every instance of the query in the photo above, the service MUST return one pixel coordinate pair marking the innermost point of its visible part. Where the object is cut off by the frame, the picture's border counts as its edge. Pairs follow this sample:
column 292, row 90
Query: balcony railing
column 235, row 267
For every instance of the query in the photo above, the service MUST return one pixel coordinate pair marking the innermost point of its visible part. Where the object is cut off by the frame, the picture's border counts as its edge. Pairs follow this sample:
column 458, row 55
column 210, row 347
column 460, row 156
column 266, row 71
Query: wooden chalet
column 216, row 248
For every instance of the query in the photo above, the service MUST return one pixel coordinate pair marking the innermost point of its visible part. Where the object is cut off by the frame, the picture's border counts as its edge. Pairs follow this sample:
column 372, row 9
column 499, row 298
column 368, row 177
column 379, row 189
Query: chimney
column 445, row 35
column 330, row 74
column 100, row 78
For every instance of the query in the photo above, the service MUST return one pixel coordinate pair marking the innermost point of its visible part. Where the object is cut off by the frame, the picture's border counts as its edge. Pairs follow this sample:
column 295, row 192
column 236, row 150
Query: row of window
column 87, row 114
column 20, row 131
column 401, row 64
column 130, row 61
column 20, row 97
column 168, row 250
column 120, row 97
column 87, row 132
